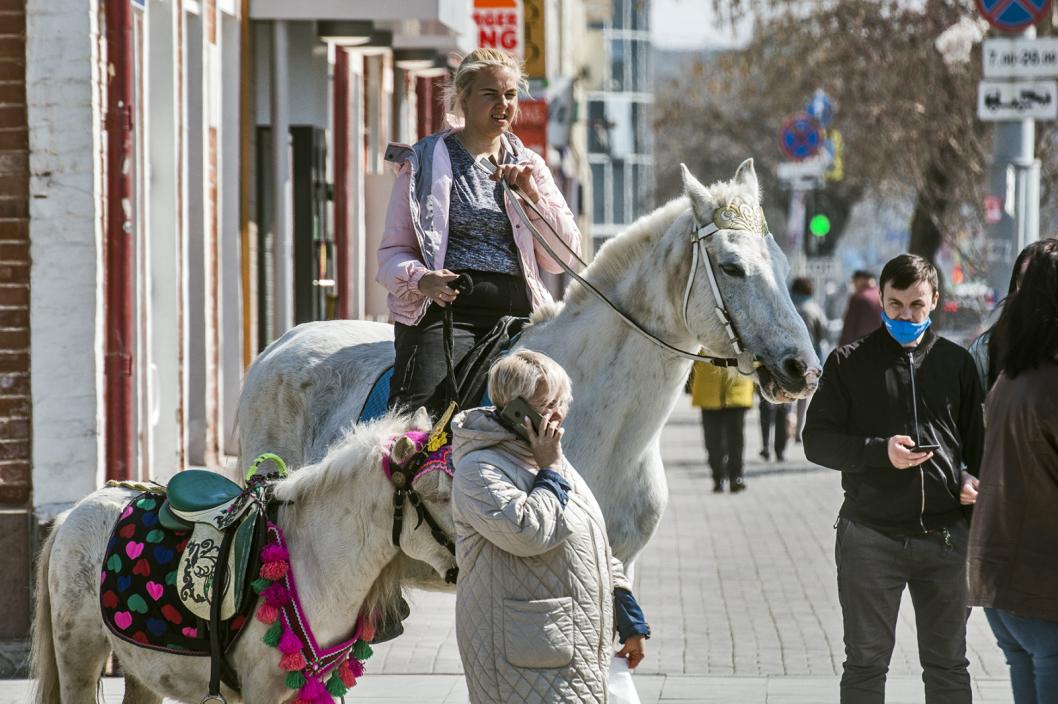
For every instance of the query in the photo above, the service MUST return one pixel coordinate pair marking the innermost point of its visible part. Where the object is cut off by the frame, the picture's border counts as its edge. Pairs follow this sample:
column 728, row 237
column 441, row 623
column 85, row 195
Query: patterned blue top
column 480, row 237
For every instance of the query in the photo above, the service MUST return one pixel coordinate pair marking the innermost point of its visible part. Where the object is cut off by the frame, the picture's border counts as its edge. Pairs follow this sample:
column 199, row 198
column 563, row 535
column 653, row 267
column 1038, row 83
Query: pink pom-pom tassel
column 267, row 614
column 292, row 661
column 275, row 570
column 273, row 552
column 276, row 595
column 356, row 667
column 289, row 643
column 313, row 689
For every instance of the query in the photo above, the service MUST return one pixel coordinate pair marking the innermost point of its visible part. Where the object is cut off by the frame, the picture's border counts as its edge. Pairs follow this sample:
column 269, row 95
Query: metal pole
column 282, row 238
column 119, row 244
column 1014, row 176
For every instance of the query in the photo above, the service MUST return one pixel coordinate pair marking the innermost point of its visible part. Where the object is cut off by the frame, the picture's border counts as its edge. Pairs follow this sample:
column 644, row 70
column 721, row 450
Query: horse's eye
column 733, row 270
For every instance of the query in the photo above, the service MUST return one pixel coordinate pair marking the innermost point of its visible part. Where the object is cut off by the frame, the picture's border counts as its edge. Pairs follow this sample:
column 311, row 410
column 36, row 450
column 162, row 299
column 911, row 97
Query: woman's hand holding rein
column 519, row 176
column 434, row 285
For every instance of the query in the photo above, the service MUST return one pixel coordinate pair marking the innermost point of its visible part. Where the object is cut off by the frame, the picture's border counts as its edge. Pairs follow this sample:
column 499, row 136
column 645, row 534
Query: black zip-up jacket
column 866, row 395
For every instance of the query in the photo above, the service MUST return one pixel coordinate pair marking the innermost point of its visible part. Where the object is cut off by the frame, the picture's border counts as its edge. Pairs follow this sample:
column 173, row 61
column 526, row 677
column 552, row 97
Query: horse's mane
column 625, row 249
column 360, row 450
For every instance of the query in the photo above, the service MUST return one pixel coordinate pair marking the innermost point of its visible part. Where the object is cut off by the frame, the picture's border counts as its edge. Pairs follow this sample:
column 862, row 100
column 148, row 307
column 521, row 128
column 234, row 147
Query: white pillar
column 283, row 244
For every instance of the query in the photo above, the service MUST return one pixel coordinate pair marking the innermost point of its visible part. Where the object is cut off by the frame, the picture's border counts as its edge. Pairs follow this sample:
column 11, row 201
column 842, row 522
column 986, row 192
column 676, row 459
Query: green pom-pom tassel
column 362, row 651
column 260, row 584
column 295, row 680
column 273, row 634
column 335, row 685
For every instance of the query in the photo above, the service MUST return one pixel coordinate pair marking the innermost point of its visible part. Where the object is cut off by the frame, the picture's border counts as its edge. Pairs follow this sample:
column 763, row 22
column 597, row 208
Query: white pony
column 307, row 388
column 337, row 523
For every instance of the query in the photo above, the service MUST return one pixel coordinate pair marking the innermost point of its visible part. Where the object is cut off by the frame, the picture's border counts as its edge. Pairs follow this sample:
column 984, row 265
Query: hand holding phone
column 925, row 448
column 514, row 416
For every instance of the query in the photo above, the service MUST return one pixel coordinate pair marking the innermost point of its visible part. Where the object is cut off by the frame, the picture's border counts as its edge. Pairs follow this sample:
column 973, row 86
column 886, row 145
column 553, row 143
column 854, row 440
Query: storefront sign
column 531, row 127
column 500, row 25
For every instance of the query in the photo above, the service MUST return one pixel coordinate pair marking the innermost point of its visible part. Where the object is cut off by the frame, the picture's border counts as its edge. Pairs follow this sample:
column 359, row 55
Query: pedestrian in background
column 540, row 593
column 864, row 309
column 882, row 401
column 774, row 427
column 447, row 217
column 723, row 396
column 801, row 292
column 1012, row 565
column 980, row 347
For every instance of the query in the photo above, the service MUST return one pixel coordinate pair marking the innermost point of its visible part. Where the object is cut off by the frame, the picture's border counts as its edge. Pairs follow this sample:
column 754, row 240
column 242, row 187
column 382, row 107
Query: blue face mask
column 905, row 331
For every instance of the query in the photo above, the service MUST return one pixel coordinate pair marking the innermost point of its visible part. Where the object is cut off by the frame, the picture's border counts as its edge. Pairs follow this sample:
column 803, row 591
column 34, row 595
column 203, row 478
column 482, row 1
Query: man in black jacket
column 898, row 412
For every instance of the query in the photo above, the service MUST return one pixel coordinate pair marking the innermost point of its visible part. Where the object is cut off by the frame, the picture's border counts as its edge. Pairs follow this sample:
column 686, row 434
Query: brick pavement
column 739, row 589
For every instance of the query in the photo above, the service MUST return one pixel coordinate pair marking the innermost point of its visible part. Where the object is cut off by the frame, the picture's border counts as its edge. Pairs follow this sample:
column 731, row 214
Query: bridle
column 733, row 216
column 737, row 215
column 403, row 476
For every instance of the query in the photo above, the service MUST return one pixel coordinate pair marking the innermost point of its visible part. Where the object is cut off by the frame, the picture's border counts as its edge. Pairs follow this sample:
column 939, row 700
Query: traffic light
column 824, row 219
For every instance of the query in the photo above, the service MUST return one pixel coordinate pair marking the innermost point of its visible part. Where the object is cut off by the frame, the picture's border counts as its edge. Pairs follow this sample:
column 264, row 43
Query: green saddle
column 218, row 513
column 196, row 496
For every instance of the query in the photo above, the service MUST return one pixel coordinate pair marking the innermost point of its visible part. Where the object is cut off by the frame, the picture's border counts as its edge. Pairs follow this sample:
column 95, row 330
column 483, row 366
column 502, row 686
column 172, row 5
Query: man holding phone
column 898, row 413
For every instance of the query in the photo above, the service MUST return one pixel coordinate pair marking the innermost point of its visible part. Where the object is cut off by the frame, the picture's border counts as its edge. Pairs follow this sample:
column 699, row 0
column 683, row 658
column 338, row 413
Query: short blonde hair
column 457, row 89
column 525, row 373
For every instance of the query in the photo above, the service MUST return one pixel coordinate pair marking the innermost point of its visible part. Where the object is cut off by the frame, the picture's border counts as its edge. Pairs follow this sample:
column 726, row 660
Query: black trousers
column 724, row 442
column 873, row 570
column 420, row 374
column 774, row 416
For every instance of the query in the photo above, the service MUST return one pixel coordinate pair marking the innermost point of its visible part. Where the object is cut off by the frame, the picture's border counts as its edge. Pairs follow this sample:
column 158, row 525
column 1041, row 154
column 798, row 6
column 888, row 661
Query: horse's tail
column 43, row 666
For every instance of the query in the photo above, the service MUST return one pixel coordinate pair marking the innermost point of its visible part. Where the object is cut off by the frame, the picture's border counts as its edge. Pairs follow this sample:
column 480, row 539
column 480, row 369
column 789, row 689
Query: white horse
column 337, row 523
column 307, row 388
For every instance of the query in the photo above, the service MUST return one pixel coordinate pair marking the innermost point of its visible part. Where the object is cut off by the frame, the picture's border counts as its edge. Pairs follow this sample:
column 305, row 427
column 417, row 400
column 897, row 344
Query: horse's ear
column 695, row 191
column 746, row 176
column 421, row 419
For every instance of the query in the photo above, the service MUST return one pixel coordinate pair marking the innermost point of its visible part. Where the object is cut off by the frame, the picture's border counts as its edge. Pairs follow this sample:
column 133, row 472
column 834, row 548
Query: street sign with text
column 1020, row 58
column 999, row 101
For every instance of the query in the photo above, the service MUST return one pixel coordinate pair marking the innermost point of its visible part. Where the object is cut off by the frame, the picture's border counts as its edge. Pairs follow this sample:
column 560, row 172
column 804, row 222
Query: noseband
column 403, row 477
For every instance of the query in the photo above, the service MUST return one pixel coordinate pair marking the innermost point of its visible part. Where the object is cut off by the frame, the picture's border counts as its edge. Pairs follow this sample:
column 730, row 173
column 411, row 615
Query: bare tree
column 908, row 117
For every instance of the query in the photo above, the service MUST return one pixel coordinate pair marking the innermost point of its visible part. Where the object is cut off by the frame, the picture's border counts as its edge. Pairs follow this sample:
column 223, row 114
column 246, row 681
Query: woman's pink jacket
column 417, row 227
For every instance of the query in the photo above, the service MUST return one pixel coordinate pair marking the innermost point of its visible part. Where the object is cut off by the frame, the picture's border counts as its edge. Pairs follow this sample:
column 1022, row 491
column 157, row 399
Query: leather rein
column 744, row 360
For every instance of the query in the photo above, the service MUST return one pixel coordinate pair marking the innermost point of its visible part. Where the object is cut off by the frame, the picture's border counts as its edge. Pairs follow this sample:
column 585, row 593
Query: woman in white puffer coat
column 539, row 590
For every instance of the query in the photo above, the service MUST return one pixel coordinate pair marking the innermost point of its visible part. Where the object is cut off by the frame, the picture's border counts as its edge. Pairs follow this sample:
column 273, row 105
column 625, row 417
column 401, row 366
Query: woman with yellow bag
column 724, row 396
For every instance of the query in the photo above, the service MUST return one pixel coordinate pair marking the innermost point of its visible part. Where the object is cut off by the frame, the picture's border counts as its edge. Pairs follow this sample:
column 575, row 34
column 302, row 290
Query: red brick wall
column 14, row 325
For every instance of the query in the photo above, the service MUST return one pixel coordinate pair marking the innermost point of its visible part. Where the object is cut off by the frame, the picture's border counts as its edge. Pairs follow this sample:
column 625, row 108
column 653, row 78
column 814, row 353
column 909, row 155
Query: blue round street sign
column 1013, row 15
column 800, row 136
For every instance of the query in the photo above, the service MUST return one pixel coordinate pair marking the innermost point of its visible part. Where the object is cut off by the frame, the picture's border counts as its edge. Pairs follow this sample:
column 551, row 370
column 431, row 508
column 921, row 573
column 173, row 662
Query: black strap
column 398, row 515
column 216, row 648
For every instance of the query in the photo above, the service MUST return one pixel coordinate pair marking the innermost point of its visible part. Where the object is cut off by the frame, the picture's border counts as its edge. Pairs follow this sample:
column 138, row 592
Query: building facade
column 619, row 122
column 181, row 182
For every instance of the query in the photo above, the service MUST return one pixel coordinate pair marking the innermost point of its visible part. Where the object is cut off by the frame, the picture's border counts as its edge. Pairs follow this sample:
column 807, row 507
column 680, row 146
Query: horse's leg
column 137, row 693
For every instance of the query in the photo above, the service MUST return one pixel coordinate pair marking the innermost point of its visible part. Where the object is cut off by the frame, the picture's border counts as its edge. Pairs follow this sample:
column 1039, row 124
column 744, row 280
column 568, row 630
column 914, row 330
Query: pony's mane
column 619, row 253
column 359, row 450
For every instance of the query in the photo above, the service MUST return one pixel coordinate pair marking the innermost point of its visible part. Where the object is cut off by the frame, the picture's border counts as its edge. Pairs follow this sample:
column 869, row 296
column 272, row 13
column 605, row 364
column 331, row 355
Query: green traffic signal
column 819, row 225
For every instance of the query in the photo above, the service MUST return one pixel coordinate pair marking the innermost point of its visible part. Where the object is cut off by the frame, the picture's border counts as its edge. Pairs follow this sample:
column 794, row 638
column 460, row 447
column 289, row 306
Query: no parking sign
column 800, row 136
column 1013, row 15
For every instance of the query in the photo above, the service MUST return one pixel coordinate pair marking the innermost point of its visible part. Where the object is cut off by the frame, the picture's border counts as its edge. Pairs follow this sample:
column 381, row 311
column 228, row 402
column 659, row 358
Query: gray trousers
column 873, row 570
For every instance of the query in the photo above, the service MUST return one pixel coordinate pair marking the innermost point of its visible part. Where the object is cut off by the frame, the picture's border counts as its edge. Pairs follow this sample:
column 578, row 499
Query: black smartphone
column 513, row 416
column 925, row 448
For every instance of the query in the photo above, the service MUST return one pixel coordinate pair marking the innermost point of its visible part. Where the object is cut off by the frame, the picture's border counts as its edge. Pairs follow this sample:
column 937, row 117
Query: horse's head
column 750, row 273
column 427, row 527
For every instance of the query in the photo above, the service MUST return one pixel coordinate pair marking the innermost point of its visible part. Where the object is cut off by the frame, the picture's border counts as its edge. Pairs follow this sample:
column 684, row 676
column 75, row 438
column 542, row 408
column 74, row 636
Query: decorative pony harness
column 415, row 454
column 738, row 215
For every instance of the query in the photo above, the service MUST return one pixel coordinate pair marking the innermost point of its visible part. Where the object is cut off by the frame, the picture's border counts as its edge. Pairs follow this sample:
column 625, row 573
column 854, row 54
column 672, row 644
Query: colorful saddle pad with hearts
column 138, row 585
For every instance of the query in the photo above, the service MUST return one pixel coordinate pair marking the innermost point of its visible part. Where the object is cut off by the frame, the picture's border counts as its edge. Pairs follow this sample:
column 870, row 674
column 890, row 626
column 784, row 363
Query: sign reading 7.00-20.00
column 1020, row 58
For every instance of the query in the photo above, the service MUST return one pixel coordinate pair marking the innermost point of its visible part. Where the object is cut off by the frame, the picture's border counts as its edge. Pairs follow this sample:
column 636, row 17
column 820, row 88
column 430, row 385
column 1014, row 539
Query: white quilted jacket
column 534, row 604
